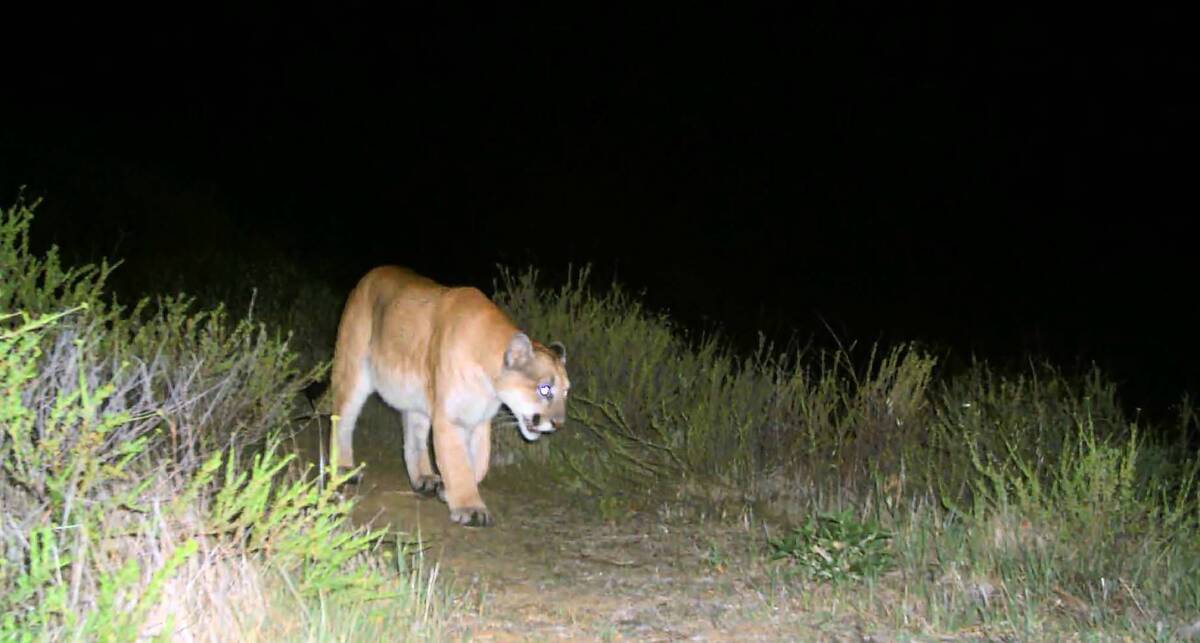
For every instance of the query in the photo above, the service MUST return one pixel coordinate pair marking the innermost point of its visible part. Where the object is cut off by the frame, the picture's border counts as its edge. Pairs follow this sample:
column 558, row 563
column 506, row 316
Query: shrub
column 141, row 475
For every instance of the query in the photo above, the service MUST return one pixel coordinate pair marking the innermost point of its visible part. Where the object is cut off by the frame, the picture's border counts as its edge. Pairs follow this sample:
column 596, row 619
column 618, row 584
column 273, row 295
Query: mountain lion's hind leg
column 351, row 387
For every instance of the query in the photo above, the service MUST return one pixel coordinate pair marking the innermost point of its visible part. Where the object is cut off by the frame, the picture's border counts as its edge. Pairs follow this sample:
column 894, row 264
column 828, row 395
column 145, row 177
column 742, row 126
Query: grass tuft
column 835, row 547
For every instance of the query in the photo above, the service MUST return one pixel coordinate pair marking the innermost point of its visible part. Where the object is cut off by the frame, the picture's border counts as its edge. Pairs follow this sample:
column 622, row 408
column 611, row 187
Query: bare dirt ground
column 553, row 568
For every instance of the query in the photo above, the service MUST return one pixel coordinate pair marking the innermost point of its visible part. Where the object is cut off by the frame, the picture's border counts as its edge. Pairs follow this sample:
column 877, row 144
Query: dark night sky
column 997, row 181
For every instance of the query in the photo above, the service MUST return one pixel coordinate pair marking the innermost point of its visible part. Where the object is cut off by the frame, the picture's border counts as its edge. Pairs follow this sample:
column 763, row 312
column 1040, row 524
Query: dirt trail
column 550, row 570
column 553, row 569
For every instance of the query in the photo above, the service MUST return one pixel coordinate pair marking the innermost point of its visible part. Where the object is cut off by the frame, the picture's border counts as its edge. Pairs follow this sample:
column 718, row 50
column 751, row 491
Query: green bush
column 650, row 405
column 144, row 487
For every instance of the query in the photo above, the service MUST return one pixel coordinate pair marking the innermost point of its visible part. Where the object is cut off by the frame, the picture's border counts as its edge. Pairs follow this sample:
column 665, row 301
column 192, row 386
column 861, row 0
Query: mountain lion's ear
column 559, row 350
column 520, row 349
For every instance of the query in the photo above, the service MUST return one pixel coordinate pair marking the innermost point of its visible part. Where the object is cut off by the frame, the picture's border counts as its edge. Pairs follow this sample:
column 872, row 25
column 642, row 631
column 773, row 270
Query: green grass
column 1020, row 504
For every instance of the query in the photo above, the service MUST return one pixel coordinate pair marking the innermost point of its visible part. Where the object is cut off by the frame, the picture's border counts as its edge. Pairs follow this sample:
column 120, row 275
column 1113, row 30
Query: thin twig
column 611, row 561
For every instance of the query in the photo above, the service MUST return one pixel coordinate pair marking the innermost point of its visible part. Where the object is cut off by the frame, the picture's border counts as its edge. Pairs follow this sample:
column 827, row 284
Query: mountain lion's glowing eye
column 545, row 391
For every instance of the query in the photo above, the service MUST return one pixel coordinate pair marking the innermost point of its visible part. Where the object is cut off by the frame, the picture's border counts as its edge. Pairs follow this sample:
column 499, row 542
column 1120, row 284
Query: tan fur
column 445, row 358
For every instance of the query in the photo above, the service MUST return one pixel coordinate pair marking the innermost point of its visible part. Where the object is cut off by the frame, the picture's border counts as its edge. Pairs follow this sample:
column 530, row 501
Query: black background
column 979, row 178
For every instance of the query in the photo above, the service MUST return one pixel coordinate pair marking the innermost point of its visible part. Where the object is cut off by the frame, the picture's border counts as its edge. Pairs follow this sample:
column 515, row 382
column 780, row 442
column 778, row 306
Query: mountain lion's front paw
column 472, row 517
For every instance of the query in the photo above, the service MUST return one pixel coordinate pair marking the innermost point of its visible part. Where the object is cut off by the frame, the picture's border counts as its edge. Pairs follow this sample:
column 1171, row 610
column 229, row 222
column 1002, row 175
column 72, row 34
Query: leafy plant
column 144, row 487
column 835, row 547
column 715, row 558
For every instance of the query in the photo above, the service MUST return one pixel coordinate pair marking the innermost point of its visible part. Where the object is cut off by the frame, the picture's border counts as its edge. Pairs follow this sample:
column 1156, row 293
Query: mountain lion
column 446, row 359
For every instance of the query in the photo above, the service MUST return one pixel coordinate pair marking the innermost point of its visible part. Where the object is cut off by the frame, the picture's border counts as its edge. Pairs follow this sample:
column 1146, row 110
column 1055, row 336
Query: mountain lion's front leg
column 481, row 449
column 458, row 477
